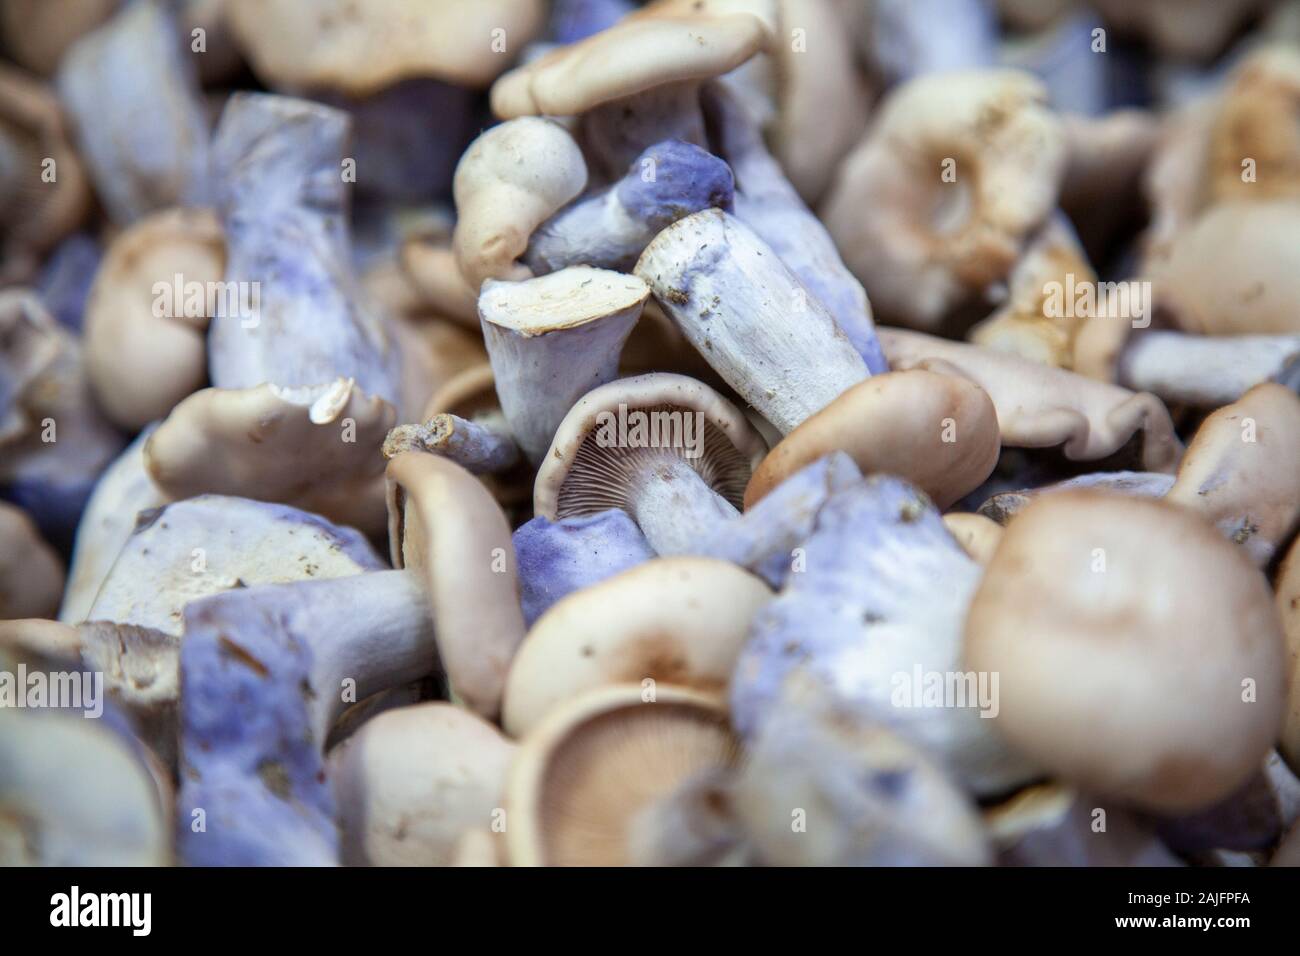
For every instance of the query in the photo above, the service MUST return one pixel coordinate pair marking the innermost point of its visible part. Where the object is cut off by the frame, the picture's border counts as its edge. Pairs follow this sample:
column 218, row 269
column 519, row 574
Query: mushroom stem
column 674, row 506
column 610, row 228
column 475, row 446
column 749, row 317
column 1204, row 371
column 553, row 339
column 768, row 203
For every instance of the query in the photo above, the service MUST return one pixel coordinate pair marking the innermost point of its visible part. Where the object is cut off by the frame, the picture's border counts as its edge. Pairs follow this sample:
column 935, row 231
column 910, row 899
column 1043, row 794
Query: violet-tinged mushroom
column 476, row 447
column 133, row 99
column 557, row 558
column 767, row 203
column 574, row 20
column 66, row 277
column 750, row 317
column 863, row 628
column 906, row 38
column 609, row 228
column 54, row 441
column 679, row 621
column 1005, row 505
column 553, row 339
column 1251, row 819
column 31, row 572
column 412, row 781
column 299, row 318
column 667, row 449
column 1139, row 653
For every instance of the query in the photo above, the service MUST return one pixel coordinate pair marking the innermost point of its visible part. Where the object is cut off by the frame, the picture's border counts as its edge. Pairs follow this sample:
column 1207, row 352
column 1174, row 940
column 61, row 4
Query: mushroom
column 66, row 277
column 500, row 200
column 609, row 228
column 816, row 790
column 478, row 448
column 133, row 101
column 1191, row 29
column 123, row 491
column 1251, row 819
column 326, row 443
column 1203, row 371
column 977, row 534
column 667, row 449
column 412, row 781
column 551, row 340
column 1241, row 471
column 1287, row 600
column 959, row 169
column 31, row 573
column 907, row 38
column 588, row 785
column 434, row 274
column 938, row 432
column 679, row 621
column 750, row 318
column 359, row 49
column 53, row 439
column 1039, row 406
column 637, row 83
column 38, row 32
column 1053, row 825
column 145, row 329
column 557, row 558
column 1002, row 507
column 1145, row 661
column 863, row 630
column 33, row 144
column 296, row 653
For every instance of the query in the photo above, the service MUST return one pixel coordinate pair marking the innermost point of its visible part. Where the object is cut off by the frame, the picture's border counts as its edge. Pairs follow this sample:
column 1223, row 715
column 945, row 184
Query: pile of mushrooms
column 668, row 433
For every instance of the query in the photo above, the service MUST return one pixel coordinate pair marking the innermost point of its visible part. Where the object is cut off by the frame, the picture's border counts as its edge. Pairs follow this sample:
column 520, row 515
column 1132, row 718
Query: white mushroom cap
column 677, row 621
column 412, row 781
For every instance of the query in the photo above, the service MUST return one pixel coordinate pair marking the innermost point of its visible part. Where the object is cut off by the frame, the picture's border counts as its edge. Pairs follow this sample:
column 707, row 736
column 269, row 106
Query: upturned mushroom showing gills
column 763, row 433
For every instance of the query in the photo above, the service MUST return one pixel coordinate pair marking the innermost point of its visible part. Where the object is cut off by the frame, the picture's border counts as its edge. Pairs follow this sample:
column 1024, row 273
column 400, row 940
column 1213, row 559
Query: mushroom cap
column 315, row 447
column 938, row 432
column 1235, row 270
column 1287, row 600
column 360, row 48
column 31, row 572
column 978, row 535
column 667, row 42
column 512, row 178
column 1130, row 677
column 141, row 363
column 583, row 474
column 411, row 781
column 559, row 300
column 1242, row 470
column 1040, row 406
column 192, row 548
column 444, row 524
column 434, row 275
column 1263, row 88
column 679, row 621
column 580, row 779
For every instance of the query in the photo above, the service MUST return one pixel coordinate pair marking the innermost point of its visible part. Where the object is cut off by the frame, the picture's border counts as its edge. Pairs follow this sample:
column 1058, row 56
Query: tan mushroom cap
column 1241, row 471
column 1235, row 270
column 317, row 448
column 1254, row 120
column 1040, row 406
column 937, row 431
column 412, row 780
column 978, row 536
column 359, row 48
column 445, row 524
column 679, row 621
column 31, row 572
column 1138, row 651
column 1287, row 600
column 146, row 351
column 36, row 213
column 512, row 178
column 958, row 169
column 667, row 42
column 580, row 477
column 580, row 779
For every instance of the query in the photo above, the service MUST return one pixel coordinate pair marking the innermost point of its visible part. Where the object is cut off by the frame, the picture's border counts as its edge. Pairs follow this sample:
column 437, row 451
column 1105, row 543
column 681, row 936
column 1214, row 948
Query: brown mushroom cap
column 681, row 621
column 938, row 432
column 1138, row 651
column 140, row 362
column 666, row 42
column 580, row 779
column 358, row 48
column 580, row 477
